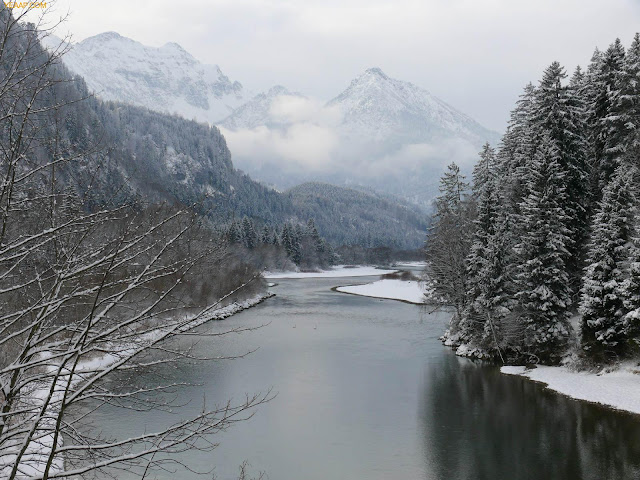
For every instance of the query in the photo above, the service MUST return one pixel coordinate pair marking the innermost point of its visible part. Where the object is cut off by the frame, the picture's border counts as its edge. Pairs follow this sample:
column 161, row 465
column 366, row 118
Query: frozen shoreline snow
column 417, row 264
column 619, row 389
column 406, row 291
column 338, row 272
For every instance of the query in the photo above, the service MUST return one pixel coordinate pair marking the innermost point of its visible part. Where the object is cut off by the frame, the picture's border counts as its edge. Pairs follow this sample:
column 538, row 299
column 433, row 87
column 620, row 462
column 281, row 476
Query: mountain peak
column 108, row 36
column 172, row 46
column 106, row 40
column 376, row 71
column 396, row 111
column 165, row 79
column 258, row 111
column 102, row 38
column 277, row 90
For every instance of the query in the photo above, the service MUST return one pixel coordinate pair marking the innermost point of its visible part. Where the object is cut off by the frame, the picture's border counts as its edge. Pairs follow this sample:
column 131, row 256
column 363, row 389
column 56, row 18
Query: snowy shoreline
column 338, row 271
column 408, row 291
column 618, row 389
column 232, row 309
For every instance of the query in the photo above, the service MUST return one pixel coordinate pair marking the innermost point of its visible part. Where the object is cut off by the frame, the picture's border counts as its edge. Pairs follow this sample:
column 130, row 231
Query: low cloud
column 428, row 156
column 299, row 147
column 304, row 137
column 295, row 109
column 305, row 140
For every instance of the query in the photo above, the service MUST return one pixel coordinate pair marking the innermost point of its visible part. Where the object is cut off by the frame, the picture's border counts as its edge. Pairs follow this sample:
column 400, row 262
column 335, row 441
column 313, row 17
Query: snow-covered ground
column 338, row 271
column 408, row 291
column 410, row 264
column 619, row 389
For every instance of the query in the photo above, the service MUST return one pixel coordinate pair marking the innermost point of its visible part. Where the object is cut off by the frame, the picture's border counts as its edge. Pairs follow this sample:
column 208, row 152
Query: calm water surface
column 365, row 391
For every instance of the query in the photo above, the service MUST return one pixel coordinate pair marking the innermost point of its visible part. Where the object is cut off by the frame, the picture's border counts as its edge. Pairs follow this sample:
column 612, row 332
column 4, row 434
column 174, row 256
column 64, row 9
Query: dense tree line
column 294, row 245
column 542, row 253
column 281, row 247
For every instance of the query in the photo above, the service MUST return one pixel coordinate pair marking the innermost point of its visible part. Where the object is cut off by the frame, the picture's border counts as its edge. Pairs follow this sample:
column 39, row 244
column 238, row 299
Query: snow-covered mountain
column 379, row 133
column 378, row 107
column 375, row 107
column 165, row 79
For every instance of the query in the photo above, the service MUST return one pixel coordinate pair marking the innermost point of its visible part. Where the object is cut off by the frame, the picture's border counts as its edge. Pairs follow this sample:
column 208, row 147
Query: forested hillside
column 543, row 254
column 123, row 152
column 348, row 216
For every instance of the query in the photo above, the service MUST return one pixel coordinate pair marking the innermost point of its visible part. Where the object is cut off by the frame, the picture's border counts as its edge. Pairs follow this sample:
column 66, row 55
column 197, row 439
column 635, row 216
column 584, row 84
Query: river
column 366, row 391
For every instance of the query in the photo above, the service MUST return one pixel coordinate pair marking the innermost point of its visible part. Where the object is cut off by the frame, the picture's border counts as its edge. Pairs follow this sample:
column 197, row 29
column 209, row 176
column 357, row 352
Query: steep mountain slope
column 166, row 79
column 376, row 106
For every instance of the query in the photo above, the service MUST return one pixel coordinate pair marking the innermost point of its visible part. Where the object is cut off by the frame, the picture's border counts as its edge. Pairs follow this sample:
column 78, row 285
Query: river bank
column 616, row 386
column 409, row 291
column 339, row 271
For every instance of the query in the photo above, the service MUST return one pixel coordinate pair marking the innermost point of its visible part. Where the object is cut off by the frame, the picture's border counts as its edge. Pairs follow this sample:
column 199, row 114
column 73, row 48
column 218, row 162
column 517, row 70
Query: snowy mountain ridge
column 167, row 79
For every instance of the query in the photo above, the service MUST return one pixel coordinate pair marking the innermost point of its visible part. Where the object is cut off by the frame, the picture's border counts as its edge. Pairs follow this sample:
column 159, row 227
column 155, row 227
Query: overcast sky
column 474, row 54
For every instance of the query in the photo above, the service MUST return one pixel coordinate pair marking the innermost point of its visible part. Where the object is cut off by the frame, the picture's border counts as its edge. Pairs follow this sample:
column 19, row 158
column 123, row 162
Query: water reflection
column 479, row 424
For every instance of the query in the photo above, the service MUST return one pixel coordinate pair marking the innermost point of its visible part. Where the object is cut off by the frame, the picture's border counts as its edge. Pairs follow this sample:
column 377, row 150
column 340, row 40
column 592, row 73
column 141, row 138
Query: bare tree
column 86, row 293
column 449, row 241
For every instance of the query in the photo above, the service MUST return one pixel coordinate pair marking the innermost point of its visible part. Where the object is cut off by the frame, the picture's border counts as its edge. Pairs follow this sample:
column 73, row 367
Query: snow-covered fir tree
column 600, row 93
column 612, row 131
column 249, row 233
column 285, row 238
column 602, row 300
column 515, row 153
column 544, row 293
column 296, row 244
column 486, row 273
column 266, row 235
column 234, row 234
column 557, row 115
column 453, row 189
